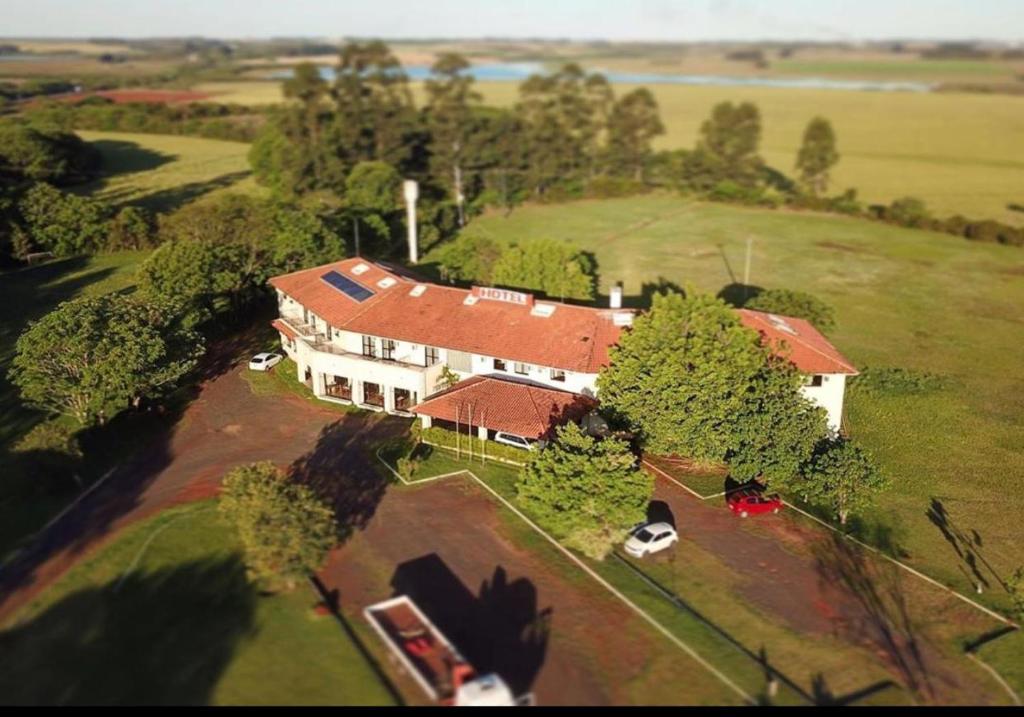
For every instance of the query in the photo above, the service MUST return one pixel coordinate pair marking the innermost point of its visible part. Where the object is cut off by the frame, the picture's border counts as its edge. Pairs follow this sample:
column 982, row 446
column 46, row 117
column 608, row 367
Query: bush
column 50, row 449
column 444, row 438
column 611, row 187
column 897, row 382
column 795, row 303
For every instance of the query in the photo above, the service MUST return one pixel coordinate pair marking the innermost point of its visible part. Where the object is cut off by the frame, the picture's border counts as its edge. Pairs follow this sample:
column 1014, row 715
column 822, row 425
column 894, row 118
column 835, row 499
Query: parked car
column 510, row 439
column 751, row 501
column 264, row 361
column 648, row 538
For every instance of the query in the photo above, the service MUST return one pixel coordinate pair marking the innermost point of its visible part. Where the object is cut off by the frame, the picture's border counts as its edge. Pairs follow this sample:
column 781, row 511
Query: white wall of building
column 829, row 395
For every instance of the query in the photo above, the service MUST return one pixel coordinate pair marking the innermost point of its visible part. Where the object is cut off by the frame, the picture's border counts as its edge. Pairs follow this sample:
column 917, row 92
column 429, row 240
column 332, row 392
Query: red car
column 748, row 501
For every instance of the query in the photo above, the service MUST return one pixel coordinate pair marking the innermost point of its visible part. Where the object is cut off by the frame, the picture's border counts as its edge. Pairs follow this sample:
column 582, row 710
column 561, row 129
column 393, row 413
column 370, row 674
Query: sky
column 684, row 20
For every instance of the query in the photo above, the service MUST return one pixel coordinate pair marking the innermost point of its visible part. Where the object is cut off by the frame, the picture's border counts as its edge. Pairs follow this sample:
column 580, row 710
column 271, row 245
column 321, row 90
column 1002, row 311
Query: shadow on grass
column 967, row 543
column 124, row 157
column 881, row 615
column 162, row 637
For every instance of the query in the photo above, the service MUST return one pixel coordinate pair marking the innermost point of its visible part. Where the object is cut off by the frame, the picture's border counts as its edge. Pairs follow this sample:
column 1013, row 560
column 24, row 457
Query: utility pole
column 746, row 269
column 356, row 222
column 459, row 196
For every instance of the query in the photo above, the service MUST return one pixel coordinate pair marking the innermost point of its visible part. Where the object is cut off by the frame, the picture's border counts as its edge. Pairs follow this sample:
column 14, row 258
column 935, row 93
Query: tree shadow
column 825, row 697
column 353, row 488
column 880, row 615
column 122, row 157
column 498, row 630
column 167, row 200
column 738, row 294
column 967, row 544
column 658, row 511
column 161, row 637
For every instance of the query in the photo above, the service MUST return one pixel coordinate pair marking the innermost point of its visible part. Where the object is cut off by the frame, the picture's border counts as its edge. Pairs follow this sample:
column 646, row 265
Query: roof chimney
column 615, row 299
column 411, row 191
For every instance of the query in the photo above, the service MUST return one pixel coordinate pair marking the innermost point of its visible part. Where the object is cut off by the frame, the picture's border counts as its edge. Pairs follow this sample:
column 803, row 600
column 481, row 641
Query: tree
column 587, row 492
column 131, row 228
column 470, row 257
column 308, row 87
column 372, row 191
column 795, row 303
column 633, row 123
column 558, row 269
column 1015, row 586
column 47, row 154
column 195, row 273
column 727, row 148
column 93, row 357
column 286, row 531
column 693, row 381
column 450, row 100
column 842, row 477
column 64, row 223
column 817, row 155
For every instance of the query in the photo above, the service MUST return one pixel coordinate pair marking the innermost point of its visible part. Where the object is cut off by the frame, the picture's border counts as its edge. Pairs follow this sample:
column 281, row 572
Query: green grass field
column 904, row 298
column 165, row 615
column 163, row 172
column 960, row 153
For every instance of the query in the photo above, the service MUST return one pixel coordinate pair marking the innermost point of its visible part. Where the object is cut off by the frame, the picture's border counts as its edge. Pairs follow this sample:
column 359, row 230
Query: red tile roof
column 799, row 341
column 574, row 338
column 502, row 405
column 284, row 328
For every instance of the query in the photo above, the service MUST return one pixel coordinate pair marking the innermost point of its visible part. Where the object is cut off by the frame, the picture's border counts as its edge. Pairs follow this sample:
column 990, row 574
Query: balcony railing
column 320, row 342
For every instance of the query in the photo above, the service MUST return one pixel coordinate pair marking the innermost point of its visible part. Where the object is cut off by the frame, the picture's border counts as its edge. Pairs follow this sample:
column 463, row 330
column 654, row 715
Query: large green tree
column 587, row 492
column 308, row 87
column 63, row 223
column 41, row 153
column 558, row 269
column 727, row 148
column 633, row 124
column 795, row 303
column 286, row 531
column 93, row 357
column 842, row 477
column 817, row 155
column 449, row 112
column 693, row 381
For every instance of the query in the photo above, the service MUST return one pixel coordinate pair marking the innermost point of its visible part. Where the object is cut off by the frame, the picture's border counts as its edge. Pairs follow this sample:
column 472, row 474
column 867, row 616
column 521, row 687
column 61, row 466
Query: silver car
column 649, row 538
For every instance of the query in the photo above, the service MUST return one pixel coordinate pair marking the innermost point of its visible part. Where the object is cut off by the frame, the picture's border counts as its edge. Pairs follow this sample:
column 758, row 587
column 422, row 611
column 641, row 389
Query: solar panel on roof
column 352, row 289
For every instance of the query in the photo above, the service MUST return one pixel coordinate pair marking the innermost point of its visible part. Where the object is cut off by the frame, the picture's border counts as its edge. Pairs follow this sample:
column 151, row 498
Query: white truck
column 436, row 665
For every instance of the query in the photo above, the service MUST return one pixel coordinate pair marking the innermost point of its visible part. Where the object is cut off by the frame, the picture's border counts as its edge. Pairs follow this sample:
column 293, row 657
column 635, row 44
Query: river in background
column 519, row 71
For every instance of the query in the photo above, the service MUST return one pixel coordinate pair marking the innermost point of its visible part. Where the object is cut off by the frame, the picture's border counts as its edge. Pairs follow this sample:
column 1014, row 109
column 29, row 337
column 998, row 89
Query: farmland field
column 909, row 299
column 960, row 153
column 162, row 172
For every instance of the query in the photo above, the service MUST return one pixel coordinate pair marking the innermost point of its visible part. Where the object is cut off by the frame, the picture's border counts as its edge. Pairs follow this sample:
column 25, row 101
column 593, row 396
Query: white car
column 650, row 538
column 510, row 439
column 264, row 361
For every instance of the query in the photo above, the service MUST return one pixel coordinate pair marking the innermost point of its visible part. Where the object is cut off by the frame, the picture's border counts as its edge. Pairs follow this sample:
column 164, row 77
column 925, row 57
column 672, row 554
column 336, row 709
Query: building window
column 387, row 349
column 814, row 381
column 369, row 347
column 521, row 368
column 433, row 356
column 558, row 374
column 499, row 365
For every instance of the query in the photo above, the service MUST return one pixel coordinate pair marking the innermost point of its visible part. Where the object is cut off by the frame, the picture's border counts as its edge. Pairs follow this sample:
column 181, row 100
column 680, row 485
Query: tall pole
column 356, row 220
column 411, row 191
column 746, row 269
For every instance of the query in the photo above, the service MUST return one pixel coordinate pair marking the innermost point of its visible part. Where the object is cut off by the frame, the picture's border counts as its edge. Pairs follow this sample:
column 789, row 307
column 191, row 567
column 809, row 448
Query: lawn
column 26, row 502
column 283, row 380
column 163, row 172
column 904, row 298
column 165, row 615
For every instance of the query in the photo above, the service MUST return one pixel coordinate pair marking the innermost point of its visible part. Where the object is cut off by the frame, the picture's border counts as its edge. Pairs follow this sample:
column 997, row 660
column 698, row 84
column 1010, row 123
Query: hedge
column 443, row 438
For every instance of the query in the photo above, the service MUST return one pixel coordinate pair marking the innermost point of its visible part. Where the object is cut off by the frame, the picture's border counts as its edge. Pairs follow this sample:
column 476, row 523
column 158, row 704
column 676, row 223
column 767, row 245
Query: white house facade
column 365, row 333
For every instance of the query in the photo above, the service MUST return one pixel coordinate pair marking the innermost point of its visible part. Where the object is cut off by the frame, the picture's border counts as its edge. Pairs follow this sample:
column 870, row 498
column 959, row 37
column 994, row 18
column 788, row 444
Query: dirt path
column 225, row 426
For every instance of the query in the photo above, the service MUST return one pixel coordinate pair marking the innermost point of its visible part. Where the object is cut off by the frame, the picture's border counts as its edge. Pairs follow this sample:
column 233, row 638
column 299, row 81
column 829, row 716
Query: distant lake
column 518, row 71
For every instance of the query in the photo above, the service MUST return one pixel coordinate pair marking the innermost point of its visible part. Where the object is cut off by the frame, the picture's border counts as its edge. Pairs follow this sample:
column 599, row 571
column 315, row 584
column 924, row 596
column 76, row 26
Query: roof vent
column 470, row 300
column 418, row 290
column 386, row 283
column 360, row 269
column 781, row 324
column 622, row 318
column 544, row 310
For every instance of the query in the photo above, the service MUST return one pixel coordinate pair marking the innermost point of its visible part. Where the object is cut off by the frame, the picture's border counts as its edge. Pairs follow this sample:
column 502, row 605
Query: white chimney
column 615, row 300
column 411, row 191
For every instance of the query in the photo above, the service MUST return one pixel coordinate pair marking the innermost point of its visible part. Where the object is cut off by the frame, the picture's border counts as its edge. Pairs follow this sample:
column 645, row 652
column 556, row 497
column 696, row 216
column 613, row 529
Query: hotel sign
column 505, row 295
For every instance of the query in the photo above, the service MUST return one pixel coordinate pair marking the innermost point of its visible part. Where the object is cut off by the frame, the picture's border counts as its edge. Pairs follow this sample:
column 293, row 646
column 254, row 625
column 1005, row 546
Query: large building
column 364, row 333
